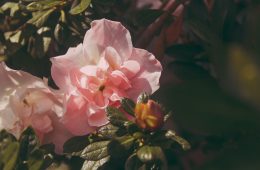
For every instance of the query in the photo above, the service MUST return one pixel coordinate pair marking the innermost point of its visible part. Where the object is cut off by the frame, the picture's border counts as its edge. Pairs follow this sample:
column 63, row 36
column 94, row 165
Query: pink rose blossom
column 26, row 100
column 99, row 72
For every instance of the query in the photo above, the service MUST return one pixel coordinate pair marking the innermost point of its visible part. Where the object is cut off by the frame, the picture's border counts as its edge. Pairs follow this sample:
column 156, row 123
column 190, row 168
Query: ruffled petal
column 97, row 117
column 62, row 65
column 120, row 80
column 130, row 68
column 105, row 33
column 75, row 118
column 147, row 79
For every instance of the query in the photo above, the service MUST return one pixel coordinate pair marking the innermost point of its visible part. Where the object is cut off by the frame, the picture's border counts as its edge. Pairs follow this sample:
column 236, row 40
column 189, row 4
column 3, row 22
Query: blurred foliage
column 215, row 67
column 27, row 154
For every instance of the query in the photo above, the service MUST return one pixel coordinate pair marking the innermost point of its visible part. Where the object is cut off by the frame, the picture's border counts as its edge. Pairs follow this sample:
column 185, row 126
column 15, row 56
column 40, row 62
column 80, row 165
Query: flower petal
column 97, row 117
column 62, row 65
column 58, row 136
column 120, row 80
column 147, row 79
column 105, row 33
column 75, row 118
column 130, row 68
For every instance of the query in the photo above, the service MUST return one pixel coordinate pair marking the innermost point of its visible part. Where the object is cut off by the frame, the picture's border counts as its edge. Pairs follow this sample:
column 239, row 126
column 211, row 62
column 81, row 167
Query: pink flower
column 26, row 100
column 99, row 72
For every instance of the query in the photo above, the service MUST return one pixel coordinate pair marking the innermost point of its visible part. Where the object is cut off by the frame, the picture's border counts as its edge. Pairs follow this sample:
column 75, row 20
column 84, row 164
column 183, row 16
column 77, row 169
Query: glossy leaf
column 152, row 153
column 39, row 18
column 75, row 144
column 108, row 131
column 94, row 165
column 116, row 117
column 128, row 105
column 13, row 6
column 133, row 163
column 143, row 98
column 172, row 135
column 95, row 151
column 43, row 5
column 82, row 6
column 10, row 156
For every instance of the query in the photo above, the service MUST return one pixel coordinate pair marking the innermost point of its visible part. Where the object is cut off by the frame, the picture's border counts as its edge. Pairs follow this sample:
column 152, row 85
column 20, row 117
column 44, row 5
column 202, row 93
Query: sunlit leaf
column 95, row 151
column 116, row 117
column 128, row 105
column 172, row 135
column 40, row 17
column 13, row 6
column 43, row 5
column 82, row 6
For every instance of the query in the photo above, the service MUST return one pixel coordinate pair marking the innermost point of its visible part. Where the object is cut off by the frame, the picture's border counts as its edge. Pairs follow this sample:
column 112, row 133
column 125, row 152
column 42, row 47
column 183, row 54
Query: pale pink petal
column 58, row 136
column 89, row 70
column 62, row 65
column 13, row 83
column 100, row 101
column 75, row 118
column 110, row 60
column 130, row 68
column 42, row 123
column 97, row 118
column 12, row 79
column 40, row 101
column 114, row 94
column 105, row 33
column 120, row 80
column 27, row 101
column 7, row 119
column 147, row 79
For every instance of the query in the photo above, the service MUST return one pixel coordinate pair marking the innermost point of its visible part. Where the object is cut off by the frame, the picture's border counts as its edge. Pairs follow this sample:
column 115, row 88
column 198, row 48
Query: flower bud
column 149, row 115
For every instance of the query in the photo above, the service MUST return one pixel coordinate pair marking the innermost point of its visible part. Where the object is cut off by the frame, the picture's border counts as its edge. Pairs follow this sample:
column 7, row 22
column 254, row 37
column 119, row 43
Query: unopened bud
column 149, row 115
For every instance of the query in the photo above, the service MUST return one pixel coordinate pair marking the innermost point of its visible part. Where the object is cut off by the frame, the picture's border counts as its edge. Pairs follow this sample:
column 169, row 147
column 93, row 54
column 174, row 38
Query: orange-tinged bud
column 149, row 115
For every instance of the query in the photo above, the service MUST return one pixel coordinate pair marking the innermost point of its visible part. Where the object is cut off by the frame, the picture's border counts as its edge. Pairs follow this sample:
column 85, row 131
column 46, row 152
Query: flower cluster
column 92, row 76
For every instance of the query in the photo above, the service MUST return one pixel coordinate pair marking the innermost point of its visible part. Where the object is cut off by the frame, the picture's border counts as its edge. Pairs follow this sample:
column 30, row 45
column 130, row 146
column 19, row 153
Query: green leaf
column 28, row 141
column 128, row 105
column 13, row 6
column 43, row 5
column 116, row 117
column 148, row 154
column 8, row 150
column 133, row 163
column 75, row 144
column 95, row 151
column 127, row 141
column 2, row 58
column 108, row 131
column 23, row 155
column 82, row 6
column 10, row 155
column 94, row 165
column 61, row 30
column 172, row 135
column 39, row 18
column 36, row 160
column 143, row 98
